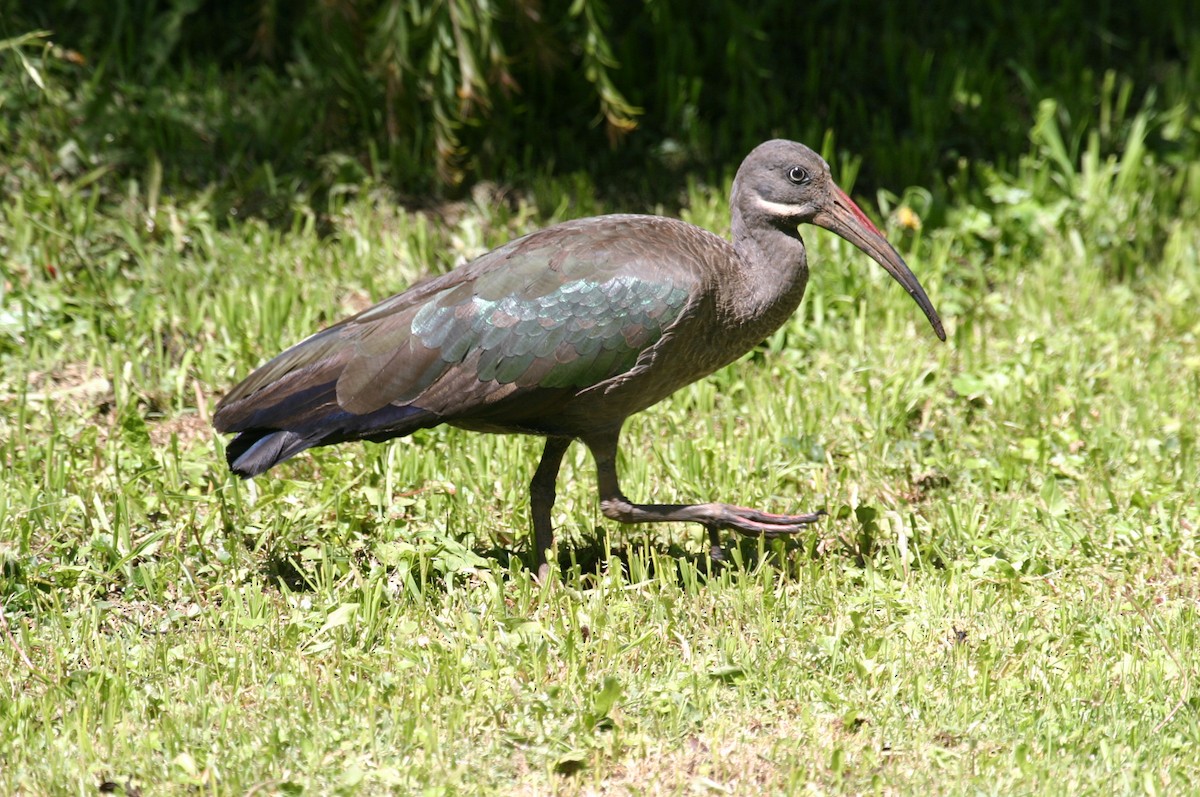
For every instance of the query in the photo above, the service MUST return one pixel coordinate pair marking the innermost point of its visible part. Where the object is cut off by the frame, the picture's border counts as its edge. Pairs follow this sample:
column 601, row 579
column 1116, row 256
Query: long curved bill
column 847, row 220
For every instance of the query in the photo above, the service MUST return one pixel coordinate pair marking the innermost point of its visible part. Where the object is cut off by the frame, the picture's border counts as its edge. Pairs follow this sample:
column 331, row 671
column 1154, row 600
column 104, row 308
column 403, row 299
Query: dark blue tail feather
column 255, row 451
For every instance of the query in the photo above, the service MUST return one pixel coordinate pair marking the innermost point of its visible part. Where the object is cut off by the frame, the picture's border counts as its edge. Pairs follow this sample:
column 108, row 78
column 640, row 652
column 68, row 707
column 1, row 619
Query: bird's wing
column 566, row 307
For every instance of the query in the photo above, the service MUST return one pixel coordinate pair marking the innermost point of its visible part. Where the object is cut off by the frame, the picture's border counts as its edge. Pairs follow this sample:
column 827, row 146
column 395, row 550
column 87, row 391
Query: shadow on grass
column 582, row 561
column 592, row 557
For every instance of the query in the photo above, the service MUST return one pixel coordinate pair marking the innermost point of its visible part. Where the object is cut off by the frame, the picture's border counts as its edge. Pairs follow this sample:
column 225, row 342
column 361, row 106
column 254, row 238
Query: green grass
column 1003, row 600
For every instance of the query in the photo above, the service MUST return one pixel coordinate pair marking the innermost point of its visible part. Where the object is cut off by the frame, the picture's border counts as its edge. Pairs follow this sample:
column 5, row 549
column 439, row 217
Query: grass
column 1003, row 600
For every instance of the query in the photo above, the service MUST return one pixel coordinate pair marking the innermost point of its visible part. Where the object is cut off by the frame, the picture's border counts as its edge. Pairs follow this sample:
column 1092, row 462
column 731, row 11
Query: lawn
column 1004, row 598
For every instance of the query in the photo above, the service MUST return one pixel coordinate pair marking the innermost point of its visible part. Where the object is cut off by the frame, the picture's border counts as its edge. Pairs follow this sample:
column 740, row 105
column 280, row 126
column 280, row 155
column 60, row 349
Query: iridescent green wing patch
column 571, row 335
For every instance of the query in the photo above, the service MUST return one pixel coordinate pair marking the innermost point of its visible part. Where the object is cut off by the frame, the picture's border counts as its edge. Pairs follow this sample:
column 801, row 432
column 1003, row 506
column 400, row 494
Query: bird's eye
column 798, row 175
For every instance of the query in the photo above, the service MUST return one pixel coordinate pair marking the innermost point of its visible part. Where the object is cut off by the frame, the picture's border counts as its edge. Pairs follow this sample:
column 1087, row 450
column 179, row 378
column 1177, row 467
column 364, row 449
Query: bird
column 564, row 333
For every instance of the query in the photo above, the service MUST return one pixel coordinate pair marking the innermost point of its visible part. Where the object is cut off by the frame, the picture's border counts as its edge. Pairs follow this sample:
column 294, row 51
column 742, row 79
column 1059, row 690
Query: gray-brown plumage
column 565, row 333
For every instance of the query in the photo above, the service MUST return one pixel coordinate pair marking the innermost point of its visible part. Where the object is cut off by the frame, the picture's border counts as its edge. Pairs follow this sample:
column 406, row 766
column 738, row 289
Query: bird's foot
column 751, row 522
column 756, row 523
column 714, row 517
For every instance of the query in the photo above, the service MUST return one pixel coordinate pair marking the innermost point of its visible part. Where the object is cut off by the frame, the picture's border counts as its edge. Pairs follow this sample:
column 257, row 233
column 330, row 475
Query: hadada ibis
column 565, row 333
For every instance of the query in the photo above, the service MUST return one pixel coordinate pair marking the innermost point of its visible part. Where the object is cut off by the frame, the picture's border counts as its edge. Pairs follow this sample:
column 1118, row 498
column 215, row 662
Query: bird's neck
column 772, row 273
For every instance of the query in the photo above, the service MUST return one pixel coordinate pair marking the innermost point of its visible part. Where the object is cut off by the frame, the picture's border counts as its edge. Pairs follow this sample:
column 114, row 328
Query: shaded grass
column 222, row 93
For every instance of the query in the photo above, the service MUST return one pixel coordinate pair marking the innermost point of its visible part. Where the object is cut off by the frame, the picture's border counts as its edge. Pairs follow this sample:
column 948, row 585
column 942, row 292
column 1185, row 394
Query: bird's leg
column 714, row 517
column 541, row 500
column 715, row 551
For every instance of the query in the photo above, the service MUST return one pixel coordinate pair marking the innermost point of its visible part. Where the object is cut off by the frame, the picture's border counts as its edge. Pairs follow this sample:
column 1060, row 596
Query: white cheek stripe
column 778, row 208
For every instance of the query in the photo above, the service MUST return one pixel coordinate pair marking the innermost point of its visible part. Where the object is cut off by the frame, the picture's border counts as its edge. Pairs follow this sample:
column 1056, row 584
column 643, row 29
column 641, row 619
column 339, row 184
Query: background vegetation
column 425, row 94
column 1004, row 598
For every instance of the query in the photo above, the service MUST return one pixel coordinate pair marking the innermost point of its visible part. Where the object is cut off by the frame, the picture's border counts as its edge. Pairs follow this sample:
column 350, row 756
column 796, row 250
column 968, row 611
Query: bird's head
column 784, row 184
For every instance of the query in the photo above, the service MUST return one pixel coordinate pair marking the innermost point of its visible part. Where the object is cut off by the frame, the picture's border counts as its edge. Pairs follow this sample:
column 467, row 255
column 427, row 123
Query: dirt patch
column 739, row 766
column 744, row 762
column 187, row 428
column 75, row 385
